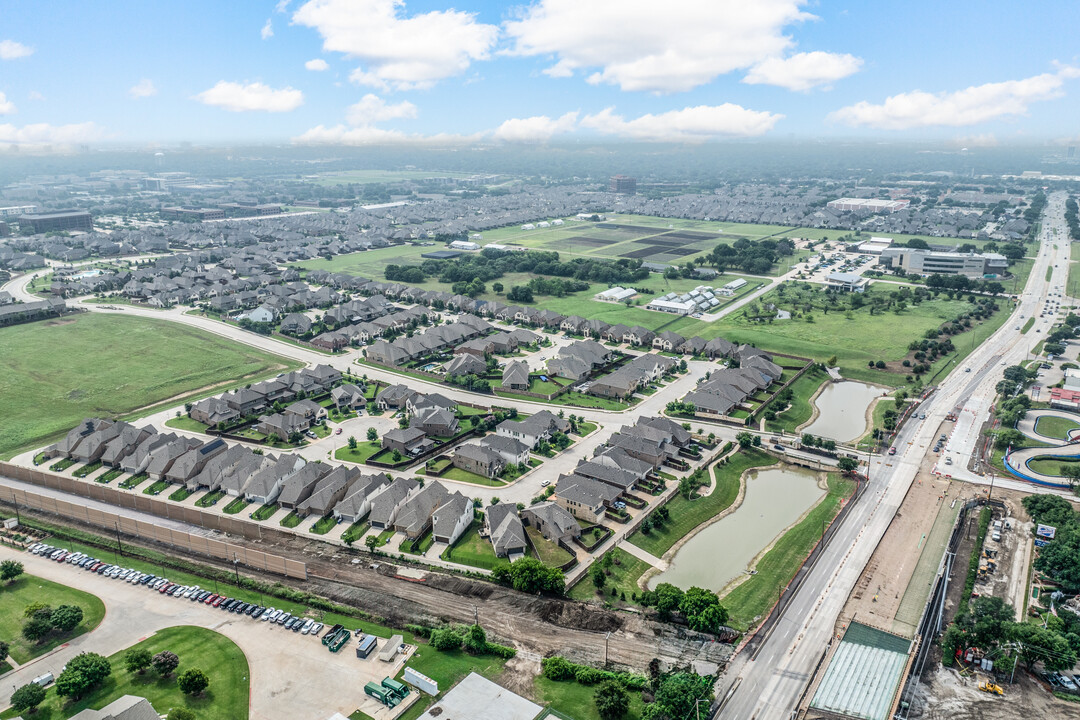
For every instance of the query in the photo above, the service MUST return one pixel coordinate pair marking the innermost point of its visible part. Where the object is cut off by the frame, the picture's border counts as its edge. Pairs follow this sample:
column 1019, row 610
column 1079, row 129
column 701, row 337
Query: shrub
column 137, row 660
column 180, row 713
column 587, row 675
column 557, row 668
column 446, row 639
column 66, row 617
column 193, row 681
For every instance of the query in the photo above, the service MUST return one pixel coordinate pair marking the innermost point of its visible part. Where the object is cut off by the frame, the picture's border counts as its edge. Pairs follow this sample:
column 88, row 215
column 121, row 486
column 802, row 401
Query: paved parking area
column 292, row 675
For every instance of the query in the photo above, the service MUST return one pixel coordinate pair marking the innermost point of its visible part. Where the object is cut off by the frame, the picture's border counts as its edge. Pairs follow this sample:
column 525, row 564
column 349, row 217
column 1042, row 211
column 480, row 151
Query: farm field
column 102, row 365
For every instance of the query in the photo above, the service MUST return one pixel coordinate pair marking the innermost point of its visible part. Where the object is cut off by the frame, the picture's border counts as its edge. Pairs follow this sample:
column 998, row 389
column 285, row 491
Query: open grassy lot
column 1057, row 427
column 213, row 653
column 364, row 450
column 461, row 475
column 471, row 549
column 576, row 700
column 688, row 514
column 778, row 566
column 26, row 589
column 104, row 365
column 185, row 423
column 625, row 570
column 800, row 410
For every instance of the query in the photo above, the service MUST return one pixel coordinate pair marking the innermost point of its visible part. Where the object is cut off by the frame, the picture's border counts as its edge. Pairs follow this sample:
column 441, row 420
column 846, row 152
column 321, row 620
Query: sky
column 361, row 72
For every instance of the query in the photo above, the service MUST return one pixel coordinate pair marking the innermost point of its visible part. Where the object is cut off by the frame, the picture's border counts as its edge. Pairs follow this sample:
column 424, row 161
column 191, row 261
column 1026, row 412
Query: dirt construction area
column 944, row 695
column 1004, row 565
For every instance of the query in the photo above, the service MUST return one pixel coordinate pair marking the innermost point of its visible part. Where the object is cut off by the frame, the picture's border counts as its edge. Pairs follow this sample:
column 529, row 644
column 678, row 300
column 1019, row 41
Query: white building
column 616, row 294
column 672, row 306
column 464, row 245
column 848, row 282
column 528, row 226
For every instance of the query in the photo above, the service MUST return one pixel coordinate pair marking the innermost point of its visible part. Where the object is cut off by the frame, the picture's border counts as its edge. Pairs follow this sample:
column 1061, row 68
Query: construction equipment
column 991, row 687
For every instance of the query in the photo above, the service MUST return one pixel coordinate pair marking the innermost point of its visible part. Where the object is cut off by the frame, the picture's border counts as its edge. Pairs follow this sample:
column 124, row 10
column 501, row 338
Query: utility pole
column 606, row 638
column 236, row 569
column 118, row 543
column 991, row 491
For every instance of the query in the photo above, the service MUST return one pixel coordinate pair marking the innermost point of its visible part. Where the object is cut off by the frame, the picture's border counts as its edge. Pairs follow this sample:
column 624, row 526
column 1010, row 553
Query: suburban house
column 328, row 491
column 357, row 500
column 299, row 486
column 668, row 341
column 348, row 397
column 504, row 528
column 124, row 444
column 516, row 376
column 451, row 519
column 385, row 505
column 308, row 410
column 407, row 441
column 394, row 397
column 245, row 401
column 67, row 445
column 651, row 450
column 194, row 460
column 214, row 411
column 533, row 429
column 265, row 485
column 585, row 498
column 465, row 364
column 281, row 426
column 435, row 422
column 513, row 452
column 163, row 457
column 553, row 521
column 479, row 460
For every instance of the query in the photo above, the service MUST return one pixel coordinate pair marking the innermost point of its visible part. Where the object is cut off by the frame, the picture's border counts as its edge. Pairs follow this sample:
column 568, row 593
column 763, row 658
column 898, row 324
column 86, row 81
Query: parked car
column 892, row 451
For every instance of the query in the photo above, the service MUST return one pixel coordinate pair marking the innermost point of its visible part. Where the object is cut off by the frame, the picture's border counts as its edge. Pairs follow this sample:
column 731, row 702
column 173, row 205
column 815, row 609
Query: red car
column 210, row 599
column 892, row 451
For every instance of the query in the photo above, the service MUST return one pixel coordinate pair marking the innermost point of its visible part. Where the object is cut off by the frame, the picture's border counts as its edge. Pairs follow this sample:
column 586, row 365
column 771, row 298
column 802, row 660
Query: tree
column 352, row 442
column 371, row 542
column 497, row 288
column 668, row 598
column 66, row 617
column 372, row 434
column 396, row 457
column 597, row 575
column 4, row 650
column 676, row 694
column 137, row 660
column 847, row 465
column 37, row 629
column 531, row 576
column 744, row 439
column 446, row 639
column 165, row 663
column 82, row 672
column 702, row 610
column 37, row 608
column 611, row 701
column 28, row 697
column 180, row 713
column 687, row 486
column 476, row 640
column 10, row 569
column 193, row 681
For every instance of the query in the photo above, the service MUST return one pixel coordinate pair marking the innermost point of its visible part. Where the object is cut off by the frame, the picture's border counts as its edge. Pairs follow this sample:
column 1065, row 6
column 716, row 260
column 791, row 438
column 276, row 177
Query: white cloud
column 640, row 46
column 6, row 106
column 372, row 109
column 35, row 95
column 692, row 124
column 970, row 106
column 45, row 134
column 318, row 65
column 398, row 52
column 538, row 128
column 282, row 6
column 143, row 89
column 368, row 135
column 803, row 71
column 237, row 97
column 11, row 50
column 267, row 31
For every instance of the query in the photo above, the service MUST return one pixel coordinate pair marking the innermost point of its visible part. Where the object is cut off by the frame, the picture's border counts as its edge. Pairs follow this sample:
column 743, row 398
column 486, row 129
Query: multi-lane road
column 770, row 684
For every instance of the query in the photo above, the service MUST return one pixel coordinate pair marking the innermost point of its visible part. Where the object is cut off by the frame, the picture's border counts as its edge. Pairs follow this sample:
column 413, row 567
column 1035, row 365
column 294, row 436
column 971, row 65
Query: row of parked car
column 304, row 626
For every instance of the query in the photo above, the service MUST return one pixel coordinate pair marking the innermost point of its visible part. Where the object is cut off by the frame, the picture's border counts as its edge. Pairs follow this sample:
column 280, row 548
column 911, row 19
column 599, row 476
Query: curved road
column 1017, row 461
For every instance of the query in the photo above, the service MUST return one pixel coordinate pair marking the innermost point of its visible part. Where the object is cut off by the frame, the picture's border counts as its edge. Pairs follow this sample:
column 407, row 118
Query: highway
column 770, row 684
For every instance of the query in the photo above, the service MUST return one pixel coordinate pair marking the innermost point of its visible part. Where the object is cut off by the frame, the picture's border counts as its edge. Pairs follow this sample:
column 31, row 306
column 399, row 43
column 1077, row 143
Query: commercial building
column 16, row 210
column 188, row 212
column 932, row 262
column 623, row 184
column 874, row 246
column 848, row 282
column 250, row 209
column 872, row 205
column 59, row 221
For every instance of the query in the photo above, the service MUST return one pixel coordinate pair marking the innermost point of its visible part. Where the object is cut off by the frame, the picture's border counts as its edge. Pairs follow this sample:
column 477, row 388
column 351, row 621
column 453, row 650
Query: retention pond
column 842, row 411
column 773, row 501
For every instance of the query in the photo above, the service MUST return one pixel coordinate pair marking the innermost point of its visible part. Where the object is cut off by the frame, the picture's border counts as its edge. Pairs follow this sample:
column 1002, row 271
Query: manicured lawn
column 364, row 450
column 800, row 409
column 589, row 401
column 213, row 653
column 324, row 525
column 1051, row 466
column 157, row 488
column 584, row 428
column 625, row 571
column 471, row 549
column 132, row 482
column 185, row 423
column 1057, row 427
column 26, row 589
column 107, row 477
column 456, row 473
column 211, row 498
column 291, row 520
column 685, row 515
column 778, row 566
column 265, row 511
column 180, row 494
column 577, row 701
column 549, row 553
column 424, row 544
column 88, row 469
column 355, row 531
column 236, row 506
column 85, row 366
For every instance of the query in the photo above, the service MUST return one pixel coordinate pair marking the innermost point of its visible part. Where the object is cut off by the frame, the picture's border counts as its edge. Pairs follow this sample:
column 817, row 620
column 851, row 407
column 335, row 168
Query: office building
column 58, row 221
column 930, row 262
column 623, row 184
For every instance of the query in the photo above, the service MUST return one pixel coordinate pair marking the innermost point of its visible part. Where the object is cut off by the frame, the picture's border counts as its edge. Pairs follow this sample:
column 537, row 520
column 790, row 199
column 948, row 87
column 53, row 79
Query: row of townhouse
column 237, row 404
column 728, row 389
column 438, row 339
column 628, row 379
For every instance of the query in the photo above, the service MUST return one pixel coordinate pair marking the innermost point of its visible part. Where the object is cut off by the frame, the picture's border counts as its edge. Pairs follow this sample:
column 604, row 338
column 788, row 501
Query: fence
column 146, row 530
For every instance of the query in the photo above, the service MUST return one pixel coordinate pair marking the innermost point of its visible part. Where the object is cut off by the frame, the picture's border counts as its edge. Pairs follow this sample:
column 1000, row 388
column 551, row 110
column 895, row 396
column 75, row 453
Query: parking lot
column 292, row 674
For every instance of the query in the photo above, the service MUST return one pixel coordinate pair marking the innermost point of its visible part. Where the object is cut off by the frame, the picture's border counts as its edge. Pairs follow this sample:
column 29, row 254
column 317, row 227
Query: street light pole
column 118, row 543
column 236, row 569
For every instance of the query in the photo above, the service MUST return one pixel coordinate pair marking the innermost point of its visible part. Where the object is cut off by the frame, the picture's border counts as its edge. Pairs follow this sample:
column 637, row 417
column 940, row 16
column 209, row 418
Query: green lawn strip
column 133, row 482
column 685, row 515
column 291, row 520
column 107, row 477
column 625, row 570
column 181, row 494
column 26, row 589
column 421, row 547
column 355, row 531
column 87, row 469
column 1050, row 466
column 363, row 451
column 224, row 663
column 210, row 499
column 156, row 488
column 800, row 409
column 1049, row 272
column 471, row 549
column 238, row 504
column 584, row 428
column 549, row 553
column 877, row 419
column 577, row 701
column 1054, row 426
column 324, row 525
column 265, row 511
column 173, row 360
column 778, row 566
column 462, row 475
column 385, row 535
column 185, row 423
column 1027, row 325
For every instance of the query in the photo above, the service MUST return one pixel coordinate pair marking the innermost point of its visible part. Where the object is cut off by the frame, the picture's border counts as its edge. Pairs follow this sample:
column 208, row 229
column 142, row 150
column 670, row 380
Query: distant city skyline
column 361, row 72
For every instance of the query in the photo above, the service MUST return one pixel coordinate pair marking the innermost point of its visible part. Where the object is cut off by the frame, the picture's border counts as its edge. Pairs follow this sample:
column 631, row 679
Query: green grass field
column 576, row 700
column 213, row 653
column 688, row 514
column 185, row 423
column 625, row 571
column 26, row 589
column 778, row 566
column 1056, row 427
column 1051, row 466
column 103, row 365
column 800, row 409
column 364, row 450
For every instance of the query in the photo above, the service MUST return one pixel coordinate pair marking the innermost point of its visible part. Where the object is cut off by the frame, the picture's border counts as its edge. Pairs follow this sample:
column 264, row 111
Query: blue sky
column 376, row 71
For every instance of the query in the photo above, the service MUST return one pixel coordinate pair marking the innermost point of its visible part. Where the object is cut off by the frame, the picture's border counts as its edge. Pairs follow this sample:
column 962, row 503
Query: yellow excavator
column 991, row 687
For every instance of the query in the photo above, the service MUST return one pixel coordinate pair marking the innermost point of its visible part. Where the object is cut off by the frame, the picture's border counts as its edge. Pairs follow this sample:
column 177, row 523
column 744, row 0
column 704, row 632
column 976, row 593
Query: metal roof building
column 864, row 675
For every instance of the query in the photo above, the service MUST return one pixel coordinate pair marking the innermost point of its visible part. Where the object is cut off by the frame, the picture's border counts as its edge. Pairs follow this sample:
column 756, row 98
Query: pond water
column 843, row 411
column 774, row 500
